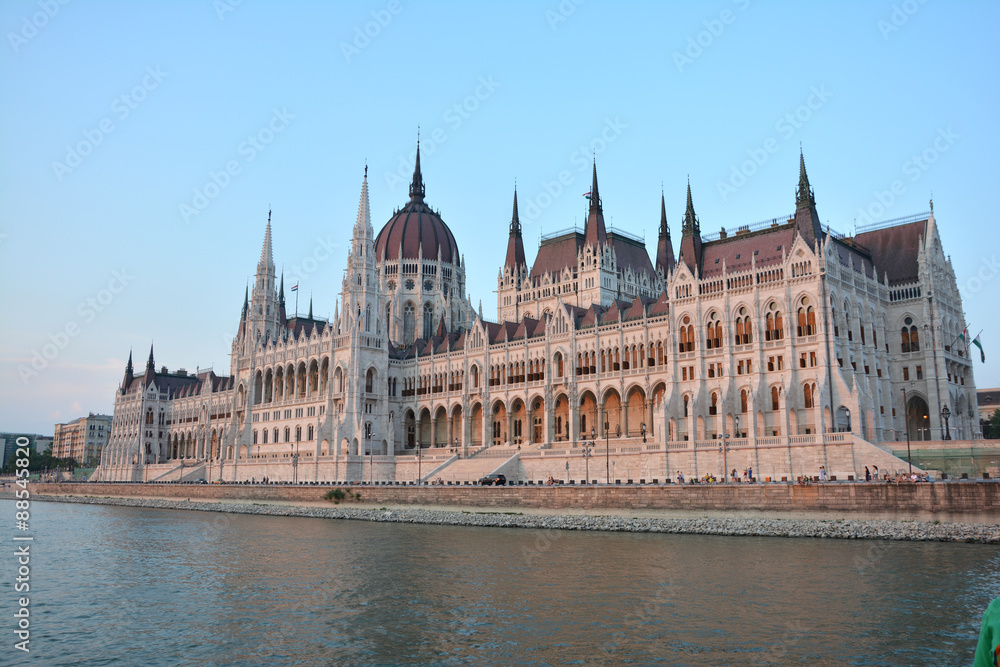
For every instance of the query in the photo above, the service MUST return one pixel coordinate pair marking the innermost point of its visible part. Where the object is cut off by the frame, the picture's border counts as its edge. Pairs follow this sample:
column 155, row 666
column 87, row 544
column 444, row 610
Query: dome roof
column 416, row 229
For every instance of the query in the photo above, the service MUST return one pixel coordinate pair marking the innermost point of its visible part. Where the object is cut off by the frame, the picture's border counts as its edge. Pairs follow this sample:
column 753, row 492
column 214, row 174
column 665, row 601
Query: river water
column 129, row 586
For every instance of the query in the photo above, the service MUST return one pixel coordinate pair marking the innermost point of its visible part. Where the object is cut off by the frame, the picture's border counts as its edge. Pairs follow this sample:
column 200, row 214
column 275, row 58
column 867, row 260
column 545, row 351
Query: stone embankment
column 983, row 533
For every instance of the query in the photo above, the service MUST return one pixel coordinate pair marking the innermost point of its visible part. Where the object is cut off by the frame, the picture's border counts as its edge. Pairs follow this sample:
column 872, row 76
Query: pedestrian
column 822, row 473
column 680, row 478
column 875, row 472
column 750, row 473
column 868, row 474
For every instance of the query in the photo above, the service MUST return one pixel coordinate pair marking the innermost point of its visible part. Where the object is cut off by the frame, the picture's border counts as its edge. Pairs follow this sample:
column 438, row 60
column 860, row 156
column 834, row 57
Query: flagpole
column 296, row 302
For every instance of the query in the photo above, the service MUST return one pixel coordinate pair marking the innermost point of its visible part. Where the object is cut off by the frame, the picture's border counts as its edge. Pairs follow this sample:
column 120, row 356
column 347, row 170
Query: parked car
column 493, row 479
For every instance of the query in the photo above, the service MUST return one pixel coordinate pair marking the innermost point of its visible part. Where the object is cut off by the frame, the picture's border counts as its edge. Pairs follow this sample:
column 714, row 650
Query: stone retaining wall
column 969, row 498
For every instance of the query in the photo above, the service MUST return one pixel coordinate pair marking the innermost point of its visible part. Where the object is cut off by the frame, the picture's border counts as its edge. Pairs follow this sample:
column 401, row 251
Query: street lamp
column 607, row 449
column 643, row 429
column 946, row 414
column 724, row 449
column 586, row 457
column 847, row 413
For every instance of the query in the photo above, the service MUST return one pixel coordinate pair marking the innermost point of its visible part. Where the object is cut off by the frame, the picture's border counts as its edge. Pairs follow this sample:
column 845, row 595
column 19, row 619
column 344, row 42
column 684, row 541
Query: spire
column 515, row 244
column 364, row 222
column 664, row 248
column 807, row 222
column 595, row 198
column 417, row 186
column 691, row 223
column 310, row 307
column 128, row 367
column 149, row 363
column 804, row 194
column 281, row 291
column 691, row 236
column 246, row 301
column 266, row 255
column 595, row 233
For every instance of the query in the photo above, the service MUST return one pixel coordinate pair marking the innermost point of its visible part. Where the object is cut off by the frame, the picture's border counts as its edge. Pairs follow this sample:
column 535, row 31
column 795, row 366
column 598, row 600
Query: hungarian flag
column 965, row 340
column 295, row 287
column 587, row 195
column 975, row 341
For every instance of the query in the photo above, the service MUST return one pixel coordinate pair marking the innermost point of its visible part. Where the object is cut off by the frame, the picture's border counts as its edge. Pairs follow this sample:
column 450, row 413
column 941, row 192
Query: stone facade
column 781, row 336
column 82, row 439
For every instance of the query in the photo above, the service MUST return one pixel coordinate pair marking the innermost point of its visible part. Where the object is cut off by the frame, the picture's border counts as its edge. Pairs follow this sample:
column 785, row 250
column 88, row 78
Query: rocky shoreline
column 850, row 529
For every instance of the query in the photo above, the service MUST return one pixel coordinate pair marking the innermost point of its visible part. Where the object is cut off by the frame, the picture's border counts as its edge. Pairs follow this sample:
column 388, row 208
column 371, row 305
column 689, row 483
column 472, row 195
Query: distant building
column 82, row 439
column 8, row 443
column 989, row 402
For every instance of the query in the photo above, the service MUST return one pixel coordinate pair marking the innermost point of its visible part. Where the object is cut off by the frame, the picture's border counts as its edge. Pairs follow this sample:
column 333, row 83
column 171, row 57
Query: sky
column 143, row 144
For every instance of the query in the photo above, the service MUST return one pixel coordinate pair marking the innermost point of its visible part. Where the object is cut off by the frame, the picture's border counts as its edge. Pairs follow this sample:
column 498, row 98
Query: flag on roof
column 587, row 195
column 295, row 287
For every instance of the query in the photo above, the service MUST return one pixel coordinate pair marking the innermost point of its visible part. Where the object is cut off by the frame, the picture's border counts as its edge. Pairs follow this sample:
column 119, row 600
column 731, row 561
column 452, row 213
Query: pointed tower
column 264, row 301
column 513, row 272
column 664, row 247
column 150, row 373
column 515, row 244
column 282, row 313
column 595, row 233
column 361, row 292
column 807, row 222
column 417, row 190
column 129, row 374
column 691, row 236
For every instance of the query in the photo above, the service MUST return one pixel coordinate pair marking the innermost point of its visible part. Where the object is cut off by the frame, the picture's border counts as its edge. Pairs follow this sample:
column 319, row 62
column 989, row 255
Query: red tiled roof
column 556, row 254
column 895, row 249
column 737, row 252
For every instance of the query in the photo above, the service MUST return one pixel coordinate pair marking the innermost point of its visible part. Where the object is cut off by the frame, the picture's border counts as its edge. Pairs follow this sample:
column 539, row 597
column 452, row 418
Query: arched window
column 288, row 435
column 713, row 332
column 807, row 395
column 685, row 406
column 687, row 335
column 714, row 407
column 310, row 432
column 774, row 323
column 774, row 398
column 914, row 340
column 904, row 335
column 369, row 381
column 428, row 321
column 409, row 323
column 806, row 319
column 559, row 364
column 743, row 328
column 743, row 400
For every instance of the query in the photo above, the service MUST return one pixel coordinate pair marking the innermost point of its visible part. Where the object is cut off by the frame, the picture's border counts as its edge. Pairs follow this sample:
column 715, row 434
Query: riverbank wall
column 979, row 501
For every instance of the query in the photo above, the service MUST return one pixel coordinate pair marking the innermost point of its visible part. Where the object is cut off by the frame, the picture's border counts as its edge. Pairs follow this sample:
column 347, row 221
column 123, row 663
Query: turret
column 807, row 222
column 691, row 236
column 664, row 248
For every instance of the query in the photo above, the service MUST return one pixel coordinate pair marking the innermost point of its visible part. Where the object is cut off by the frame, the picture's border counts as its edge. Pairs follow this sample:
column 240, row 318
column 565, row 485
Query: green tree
column 993, row 425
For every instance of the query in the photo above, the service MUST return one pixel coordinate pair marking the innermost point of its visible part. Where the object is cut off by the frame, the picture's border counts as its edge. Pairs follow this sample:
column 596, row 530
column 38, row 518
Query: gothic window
column 774, row 398
column 409, row 323
column 743, row 400
column 409, row 284
column 807, row 395
column 368, row 318
column 743, row 336
column 428, row 320
column 359, row 279
column 276, row 434
column 369, row 381
column 428, row 286
column 391, row 285
column 265, row 436
column 298, row 433
column 288, row 433
column 714, row 407
column 310, row 432
column 806, row 319
column 774, row 323
column 713, row 332
column 687, row 335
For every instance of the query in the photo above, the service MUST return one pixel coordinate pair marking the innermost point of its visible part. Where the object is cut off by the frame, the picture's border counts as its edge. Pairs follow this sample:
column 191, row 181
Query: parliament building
column 779, row 345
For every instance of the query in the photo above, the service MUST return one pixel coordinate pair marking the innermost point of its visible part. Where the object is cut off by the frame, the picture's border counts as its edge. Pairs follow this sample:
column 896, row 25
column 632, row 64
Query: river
column 130, row 586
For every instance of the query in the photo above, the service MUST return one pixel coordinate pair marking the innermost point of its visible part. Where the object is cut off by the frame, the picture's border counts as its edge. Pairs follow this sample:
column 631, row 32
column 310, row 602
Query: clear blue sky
column 537, row 92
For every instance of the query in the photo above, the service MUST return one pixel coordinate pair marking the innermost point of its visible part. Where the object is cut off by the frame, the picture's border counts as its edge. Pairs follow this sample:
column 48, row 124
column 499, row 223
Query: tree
column 993, row 426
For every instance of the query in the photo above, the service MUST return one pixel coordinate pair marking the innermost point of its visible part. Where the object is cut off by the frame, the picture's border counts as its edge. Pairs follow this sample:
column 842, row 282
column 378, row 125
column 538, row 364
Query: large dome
column 416, row 229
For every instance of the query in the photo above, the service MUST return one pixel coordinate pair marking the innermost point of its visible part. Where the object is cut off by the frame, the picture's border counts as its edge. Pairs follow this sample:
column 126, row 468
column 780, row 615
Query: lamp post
column 607, row 448
column 724, row 449
column 419, row 460
column 643, row 429
column 586, row 457
column 906, row 419
column 946, row 414
column 847, row 413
